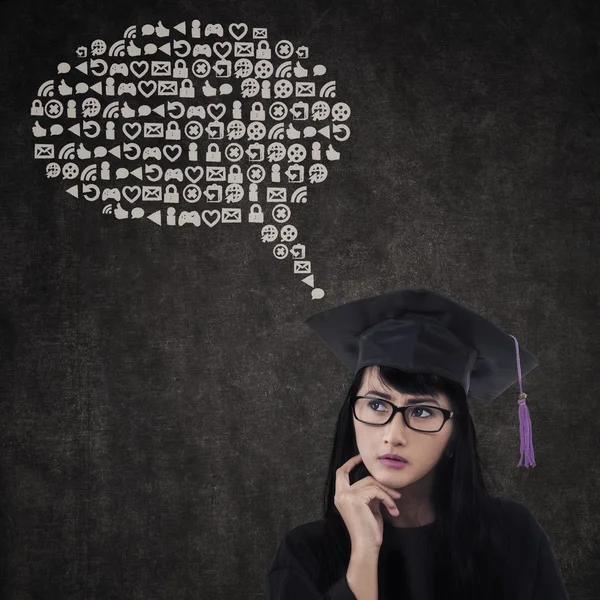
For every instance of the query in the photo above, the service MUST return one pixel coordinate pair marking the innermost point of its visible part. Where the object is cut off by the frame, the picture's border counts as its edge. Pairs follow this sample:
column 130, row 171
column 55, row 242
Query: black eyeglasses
column 419, row 417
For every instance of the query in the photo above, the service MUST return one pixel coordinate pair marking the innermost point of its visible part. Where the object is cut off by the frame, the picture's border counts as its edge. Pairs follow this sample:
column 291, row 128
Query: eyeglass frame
column 448, row 414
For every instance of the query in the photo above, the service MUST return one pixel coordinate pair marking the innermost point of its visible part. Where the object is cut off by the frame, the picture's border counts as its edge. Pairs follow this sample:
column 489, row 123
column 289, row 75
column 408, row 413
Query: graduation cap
column 419, row 331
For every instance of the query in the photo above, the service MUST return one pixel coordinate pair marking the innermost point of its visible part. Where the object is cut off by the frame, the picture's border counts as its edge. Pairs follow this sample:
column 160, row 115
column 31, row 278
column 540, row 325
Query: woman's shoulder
column 300, row 546
column 516, row 518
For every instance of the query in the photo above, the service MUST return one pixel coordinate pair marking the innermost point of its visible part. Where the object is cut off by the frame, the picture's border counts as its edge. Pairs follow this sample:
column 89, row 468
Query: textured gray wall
column 472, row 169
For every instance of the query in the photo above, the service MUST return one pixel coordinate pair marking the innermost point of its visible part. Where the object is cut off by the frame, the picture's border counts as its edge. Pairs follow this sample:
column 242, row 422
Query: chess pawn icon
column 196, row 29
column 265, row 90
column 276, row 173
column 71, row 109
column 237, row 111
column 253, row 193
column 109, row 87
column 105, row 170
column 316, row 151
column 193, row 152
column 110, row 130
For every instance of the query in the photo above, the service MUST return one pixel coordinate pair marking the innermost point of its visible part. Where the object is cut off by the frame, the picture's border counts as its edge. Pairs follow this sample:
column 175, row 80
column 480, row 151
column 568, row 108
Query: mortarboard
column 419, row 331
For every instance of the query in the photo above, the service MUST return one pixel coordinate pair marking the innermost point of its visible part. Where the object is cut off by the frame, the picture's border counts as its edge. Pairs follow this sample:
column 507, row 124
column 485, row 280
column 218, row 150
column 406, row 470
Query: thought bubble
column 194, row 126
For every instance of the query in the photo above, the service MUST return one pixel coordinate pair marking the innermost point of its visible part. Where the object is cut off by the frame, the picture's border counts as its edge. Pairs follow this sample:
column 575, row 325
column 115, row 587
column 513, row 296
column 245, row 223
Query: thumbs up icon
column 331, row 153
column 300, row 71
column 64, row 89
column 133, row 50
column 38, row 130
column 83, row 153
column 292, row 132
column 119, row 212
column 208, row 90
column 161, row 30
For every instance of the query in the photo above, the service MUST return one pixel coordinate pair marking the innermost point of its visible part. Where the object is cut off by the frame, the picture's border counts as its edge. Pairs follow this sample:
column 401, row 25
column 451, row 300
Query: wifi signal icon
column 47, row 88
column 328, row 90
column 300, row 195
column 284, row 69
column 277, row 132
column 67, row 152
column 117, row 49
column 107, row 210
column 130, row 32
column 90, row 173
column 111, row 111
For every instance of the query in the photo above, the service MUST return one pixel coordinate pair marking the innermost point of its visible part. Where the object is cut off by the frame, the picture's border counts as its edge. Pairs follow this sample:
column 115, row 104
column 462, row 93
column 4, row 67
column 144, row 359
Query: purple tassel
column 525, row 433
column 524, row 421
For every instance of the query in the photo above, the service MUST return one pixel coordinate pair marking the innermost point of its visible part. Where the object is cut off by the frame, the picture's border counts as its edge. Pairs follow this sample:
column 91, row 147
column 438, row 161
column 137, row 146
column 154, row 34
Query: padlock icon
column 258, row 112
column 180, row 71
column 173, row 132
column 213, row 154
column 256, row 214
column 171, row 194
column 37, row 109
column 187, row 89
column 263, row 50
column 235, row 174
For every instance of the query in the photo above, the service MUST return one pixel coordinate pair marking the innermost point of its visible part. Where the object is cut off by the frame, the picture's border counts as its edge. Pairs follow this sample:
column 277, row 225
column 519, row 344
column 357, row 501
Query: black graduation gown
column 405, row 562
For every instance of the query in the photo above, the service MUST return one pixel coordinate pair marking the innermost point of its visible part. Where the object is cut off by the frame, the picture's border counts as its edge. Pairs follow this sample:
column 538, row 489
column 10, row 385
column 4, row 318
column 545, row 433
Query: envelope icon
column 152, row 193
column 244, row 49
column 259, row 33
column 302, row 266
column 305, row 88
column 161, row 67
column 231, row 215
column 216, row 173
column 43, row 151
column 154, row 130
column 276, row 194
column 167, row 88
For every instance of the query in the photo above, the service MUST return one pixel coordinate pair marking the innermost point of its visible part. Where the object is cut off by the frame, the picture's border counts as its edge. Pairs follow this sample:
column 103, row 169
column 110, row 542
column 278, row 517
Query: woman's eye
column 376, row 403
column 421, row 408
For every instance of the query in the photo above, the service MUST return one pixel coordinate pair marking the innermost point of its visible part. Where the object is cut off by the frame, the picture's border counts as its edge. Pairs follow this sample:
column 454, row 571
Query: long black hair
column 468, row 559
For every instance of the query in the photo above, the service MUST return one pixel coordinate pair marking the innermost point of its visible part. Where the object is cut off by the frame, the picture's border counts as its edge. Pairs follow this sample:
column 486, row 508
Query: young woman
column 423, row 526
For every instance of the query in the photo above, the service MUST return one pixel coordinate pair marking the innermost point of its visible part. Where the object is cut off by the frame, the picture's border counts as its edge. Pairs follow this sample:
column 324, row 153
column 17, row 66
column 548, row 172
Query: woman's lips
column 395, row 464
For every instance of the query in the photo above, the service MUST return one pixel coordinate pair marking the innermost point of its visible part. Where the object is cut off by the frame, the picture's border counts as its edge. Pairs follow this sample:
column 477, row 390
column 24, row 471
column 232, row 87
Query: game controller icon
column 189, row 216
column 120, row 68
column 127, row 88
column 196, row 111
column 202, row 50
column 173, row 174
column 215, row 28
column 111, row 194
column 152, row 152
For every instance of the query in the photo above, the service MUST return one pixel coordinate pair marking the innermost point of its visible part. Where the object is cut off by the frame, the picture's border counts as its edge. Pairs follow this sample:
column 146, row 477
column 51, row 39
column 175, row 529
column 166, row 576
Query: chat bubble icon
column 188, row 122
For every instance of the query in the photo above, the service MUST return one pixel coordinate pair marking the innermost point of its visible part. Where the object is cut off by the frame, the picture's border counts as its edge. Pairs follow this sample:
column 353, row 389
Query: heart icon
column 223, row 49
column 216, row 111
column 206, row 215
column 147, row 88
column 139, row 68
column 132, row 193
column 172, row 152
column 238, row 30
column 132, row 130
column 194, row 174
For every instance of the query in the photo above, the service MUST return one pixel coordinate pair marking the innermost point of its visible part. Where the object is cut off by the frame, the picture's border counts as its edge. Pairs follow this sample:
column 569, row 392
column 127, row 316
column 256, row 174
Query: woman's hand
column 359, row 506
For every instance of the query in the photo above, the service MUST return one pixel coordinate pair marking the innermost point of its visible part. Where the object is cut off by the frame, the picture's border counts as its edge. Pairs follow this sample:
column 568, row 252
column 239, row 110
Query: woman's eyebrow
column 416, row 398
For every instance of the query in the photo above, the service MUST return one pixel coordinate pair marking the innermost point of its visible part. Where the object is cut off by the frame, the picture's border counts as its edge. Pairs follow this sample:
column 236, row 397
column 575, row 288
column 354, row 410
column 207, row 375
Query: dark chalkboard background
column 166, row 417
